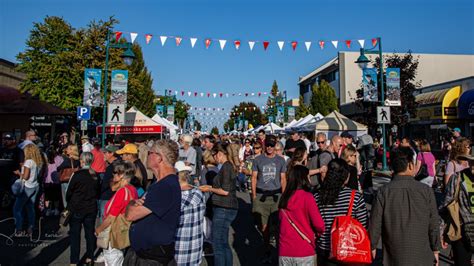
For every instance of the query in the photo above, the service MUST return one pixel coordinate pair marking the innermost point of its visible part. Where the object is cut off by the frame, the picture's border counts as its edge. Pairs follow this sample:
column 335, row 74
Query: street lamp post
column 128, row 57
column 363, row 61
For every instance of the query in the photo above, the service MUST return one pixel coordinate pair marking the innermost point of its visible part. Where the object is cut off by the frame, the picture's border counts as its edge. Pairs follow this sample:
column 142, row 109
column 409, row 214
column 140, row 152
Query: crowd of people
column 160, row 202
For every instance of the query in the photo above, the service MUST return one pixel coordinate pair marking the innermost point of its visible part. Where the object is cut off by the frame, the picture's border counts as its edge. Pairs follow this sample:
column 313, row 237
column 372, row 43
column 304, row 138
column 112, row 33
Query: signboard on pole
column 83, row 113
column 291, row 113
column 119, row 87
column 393, row 87
column 369, row 81
column 116, row 114
column 83, row 125
column 160, row 110
column 170, row 114
column 92, row 81
column 280, row 113
column 383, row 114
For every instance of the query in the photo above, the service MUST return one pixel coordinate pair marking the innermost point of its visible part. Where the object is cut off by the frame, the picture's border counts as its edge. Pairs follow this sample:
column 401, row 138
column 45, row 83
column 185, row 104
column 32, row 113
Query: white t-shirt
column 32, row 182
column 87, row 147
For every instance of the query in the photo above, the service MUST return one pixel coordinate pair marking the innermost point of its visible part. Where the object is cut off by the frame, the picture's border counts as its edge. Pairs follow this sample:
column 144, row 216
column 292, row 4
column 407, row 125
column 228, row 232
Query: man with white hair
column 188, row 154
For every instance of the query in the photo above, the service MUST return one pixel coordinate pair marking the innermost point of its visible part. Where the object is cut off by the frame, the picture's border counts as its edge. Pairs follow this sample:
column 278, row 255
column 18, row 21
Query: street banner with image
column 170, row 114
column 92, row 79
column 393, row 87
column 291, row 113
column 280, row 114
column 369, row 83
column 246, row 125
column 160, row 110
column 119, row 87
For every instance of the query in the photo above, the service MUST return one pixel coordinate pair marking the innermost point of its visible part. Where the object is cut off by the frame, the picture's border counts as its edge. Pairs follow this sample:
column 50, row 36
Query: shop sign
column 450, row 111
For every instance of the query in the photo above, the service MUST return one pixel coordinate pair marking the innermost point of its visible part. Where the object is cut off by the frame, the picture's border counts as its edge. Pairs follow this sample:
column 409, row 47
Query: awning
column 440, row 104
column 466, row 105
column 433, row 97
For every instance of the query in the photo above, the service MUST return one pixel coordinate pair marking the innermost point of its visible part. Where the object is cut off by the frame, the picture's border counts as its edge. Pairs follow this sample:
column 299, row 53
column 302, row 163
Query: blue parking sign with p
column 83, row 113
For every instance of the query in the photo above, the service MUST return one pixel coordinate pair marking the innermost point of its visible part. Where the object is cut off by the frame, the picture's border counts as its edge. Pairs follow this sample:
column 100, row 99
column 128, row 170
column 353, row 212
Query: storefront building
column 466, row 112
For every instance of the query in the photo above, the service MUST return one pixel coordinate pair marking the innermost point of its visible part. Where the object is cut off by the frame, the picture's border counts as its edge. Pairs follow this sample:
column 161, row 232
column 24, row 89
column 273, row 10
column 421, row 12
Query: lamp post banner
column 393, row 87
column 170, row 114
column 369, row 81
column 160, row 110
column 119, row 87
column 291, row 113
column 280, row 114
column 92, row 81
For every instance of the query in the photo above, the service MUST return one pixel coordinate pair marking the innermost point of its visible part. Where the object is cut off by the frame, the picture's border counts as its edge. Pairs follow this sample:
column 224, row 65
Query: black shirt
column 225, row 179
column 293, row 144
column 106, row 192
column 11, row 159
column 353, row 182
column 139, row 165
column 81, row 193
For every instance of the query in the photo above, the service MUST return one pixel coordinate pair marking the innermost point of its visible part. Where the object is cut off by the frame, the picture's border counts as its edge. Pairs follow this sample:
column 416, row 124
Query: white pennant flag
column 133, row 36
column 251, row 45
column 227, row 95
column 193, row 42
column 308, row 45
column 334, row 43
column 214, row 95
column 222, row 43
column 202, row 95
column 189, row 94
column 163, row 40
column 176, row 93
column 361, row 42
column 253, row 94
column 280, row 44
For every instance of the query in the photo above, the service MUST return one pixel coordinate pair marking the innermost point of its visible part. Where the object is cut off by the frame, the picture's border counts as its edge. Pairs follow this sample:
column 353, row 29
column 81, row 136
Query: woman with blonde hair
column 462, row 146
column 71, row 160
column 350, row 155
column 26, row 200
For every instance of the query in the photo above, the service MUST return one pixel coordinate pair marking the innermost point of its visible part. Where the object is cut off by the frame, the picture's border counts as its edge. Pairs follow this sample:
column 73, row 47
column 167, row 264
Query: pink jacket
column 303, row 211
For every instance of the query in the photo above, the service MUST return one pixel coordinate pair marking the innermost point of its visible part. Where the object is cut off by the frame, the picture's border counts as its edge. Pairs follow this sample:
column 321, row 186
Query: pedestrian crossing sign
column 116, row 114
column 383, row 115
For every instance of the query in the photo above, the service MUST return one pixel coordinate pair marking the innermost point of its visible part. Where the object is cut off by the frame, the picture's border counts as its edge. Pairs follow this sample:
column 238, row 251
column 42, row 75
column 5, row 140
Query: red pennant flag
column 148, row 38
column 182, row 93
column 208, row 94
column 233, row 94
column 237, row 44
column 118, row 34
column 265, row 46
column 195, row 94
column 246, row 94
column 321, row 44
column 208, row 43
column 348, row 43
column 374, row 42
column 178, row 40
column 220, row 94
column 294, row 44
column 259, row 94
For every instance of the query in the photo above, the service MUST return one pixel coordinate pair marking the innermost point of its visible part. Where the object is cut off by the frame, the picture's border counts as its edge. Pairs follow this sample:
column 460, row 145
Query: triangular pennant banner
column 321, row 44
column 189, row 93
column 374, row 42
column 208, row 43
column 265, row 45
column 280, row 44
column 193, row 41
column 148, row 38
column 237, row 44
column 182, row 93
column 361, row 42
column 202, row 94
column 118, row 34
column 348, row 43
column 334, row 43
column 251, row 45
column 178, row 40
column 208, row 94
column 222, row 43
column 163, row 40
column 294, row 44
column 214, row 95
column 133, row 36
column 308, row 45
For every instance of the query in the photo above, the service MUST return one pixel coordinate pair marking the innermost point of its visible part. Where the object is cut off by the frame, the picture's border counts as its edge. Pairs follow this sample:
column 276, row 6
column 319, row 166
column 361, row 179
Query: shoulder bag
column 66, row 173
column 423, row 172
column 18, row 187
column 454, row 224
column 119, row 229
column 305, row 238
column 350, row 243
column 103, row 239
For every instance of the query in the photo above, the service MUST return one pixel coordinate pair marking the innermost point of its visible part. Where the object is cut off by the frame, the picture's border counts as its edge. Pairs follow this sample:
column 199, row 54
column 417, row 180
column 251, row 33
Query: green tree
column 181, row 112
column 245, row 110
column 197, row 125
column 323, row 98
column 302, row 110
column 57, row 54
column 274, row 92
column 215, row 131
column 408, row 84
column 275, row 99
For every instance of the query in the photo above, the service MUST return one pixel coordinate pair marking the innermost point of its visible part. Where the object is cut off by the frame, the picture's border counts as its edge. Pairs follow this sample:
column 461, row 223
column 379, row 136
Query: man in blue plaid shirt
column 189, row 237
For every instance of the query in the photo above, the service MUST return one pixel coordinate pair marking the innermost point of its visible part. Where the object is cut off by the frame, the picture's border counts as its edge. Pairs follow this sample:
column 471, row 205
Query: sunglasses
column 258, row 148
column 320, row 142
column 116, row 173
column 269, row 145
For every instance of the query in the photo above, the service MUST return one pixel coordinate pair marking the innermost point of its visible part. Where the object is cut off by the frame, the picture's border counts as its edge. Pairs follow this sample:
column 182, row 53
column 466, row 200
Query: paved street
column 52, row 247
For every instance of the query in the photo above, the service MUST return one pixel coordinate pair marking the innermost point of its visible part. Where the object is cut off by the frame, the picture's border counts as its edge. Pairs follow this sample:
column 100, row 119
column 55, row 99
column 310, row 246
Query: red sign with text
column 131, row 130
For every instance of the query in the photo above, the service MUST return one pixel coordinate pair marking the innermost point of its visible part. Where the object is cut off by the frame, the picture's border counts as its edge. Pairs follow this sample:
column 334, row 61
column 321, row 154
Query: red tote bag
column 350, row 241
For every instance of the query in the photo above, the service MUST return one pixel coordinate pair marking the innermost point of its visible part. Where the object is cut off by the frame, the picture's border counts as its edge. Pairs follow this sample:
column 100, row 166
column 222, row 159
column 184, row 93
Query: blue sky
column 427, row 26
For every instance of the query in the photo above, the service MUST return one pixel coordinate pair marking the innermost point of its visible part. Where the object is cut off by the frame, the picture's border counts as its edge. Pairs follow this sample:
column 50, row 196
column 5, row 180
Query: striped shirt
column 189, row 236
column 340, row 208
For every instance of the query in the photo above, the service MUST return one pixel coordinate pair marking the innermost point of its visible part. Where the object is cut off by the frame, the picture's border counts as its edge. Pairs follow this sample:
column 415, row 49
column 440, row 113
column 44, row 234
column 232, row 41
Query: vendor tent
column 335, row 123
column 135, row 123
column 160, row 120
column 272, row 128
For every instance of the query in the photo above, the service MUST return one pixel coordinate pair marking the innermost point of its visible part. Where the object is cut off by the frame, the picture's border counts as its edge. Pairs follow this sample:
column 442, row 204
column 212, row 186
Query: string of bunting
column 237, row 43
column 216, row 94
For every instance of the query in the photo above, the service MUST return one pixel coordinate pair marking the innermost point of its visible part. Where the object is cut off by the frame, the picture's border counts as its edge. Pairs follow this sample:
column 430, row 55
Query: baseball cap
column 181, row 166
column 346, row 134
column 8, row 136
column 111, row 148
column 85, row 137
column 129, row 148
column 457, row 129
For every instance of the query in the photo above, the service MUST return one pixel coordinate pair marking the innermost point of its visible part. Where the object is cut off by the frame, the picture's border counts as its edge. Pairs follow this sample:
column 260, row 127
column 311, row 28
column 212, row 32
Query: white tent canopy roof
column 164, row 122
column 335, row 121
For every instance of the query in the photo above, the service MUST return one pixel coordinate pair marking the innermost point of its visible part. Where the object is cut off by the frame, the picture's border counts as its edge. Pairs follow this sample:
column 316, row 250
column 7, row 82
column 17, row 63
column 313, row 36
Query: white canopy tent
column 135, row 123
column 272, row 128
column 334, row 123
column 173, row 129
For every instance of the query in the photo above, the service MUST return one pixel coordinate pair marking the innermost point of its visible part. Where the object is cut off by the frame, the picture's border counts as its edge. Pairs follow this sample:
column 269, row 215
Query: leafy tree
column 197, row 125
column 408, row 84
column 245, row 110
column 275, row 99
column 302, row 110
column 323, row 99
column 215, row 131
column 57, row 54
column 181, row 112
column 274, row 92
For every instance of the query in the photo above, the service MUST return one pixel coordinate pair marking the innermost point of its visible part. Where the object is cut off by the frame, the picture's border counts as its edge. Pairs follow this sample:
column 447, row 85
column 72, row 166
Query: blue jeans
column 75, row 224
column 25, row 200
column 220, row 235
column 101, row 204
